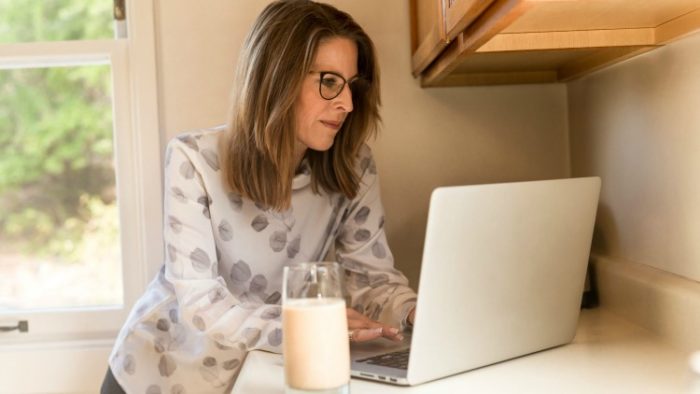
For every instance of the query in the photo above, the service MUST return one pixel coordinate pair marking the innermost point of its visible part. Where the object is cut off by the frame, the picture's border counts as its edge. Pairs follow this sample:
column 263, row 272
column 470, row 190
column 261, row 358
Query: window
column 59, row 224
column 79, row 168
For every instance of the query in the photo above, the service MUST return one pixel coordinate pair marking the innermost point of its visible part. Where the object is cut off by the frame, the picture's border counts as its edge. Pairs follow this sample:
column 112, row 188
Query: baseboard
column 664, row 303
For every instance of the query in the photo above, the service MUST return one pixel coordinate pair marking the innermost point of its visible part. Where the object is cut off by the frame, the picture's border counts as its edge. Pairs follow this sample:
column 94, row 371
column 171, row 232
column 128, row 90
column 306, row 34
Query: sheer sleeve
column 206, row 304
column 374, row 286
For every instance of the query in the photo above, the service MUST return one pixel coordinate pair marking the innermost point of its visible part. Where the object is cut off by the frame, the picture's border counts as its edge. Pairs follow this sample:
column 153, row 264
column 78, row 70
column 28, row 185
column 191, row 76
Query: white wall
column 430, row 137
column 637, row 125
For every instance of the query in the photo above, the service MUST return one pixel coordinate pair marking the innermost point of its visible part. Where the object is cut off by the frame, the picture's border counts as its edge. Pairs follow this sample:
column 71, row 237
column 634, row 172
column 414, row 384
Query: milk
column 315, row 343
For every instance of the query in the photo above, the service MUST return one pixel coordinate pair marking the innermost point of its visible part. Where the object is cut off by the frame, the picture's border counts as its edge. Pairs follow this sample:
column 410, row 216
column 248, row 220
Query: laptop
column 502, row 276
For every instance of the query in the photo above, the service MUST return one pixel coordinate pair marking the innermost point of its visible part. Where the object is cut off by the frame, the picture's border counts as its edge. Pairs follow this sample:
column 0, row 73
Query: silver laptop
column 502, row 276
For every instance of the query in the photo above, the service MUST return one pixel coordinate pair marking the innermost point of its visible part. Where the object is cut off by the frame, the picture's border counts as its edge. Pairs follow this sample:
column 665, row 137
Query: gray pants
column 110, row 384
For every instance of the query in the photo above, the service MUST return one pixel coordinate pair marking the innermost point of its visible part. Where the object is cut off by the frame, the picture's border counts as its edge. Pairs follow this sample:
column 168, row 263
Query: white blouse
column 218, row 293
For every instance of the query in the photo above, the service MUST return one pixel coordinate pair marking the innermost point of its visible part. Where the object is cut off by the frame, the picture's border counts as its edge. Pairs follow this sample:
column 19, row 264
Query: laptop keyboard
column 397, row 360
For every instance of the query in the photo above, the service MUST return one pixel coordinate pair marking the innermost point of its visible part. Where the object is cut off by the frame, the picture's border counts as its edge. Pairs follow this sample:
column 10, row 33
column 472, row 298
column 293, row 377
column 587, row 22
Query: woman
column 289, row 177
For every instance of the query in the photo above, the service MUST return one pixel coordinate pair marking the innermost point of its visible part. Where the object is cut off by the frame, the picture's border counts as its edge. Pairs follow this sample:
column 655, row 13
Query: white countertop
column 608, row 355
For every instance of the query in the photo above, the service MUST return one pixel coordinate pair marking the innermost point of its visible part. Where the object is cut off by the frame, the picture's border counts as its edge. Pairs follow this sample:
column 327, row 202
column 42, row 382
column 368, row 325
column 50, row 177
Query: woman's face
column 318, row 119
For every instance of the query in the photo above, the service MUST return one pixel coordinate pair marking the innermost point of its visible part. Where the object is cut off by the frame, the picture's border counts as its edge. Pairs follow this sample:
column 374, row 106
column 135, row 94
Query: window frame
column 137, row 165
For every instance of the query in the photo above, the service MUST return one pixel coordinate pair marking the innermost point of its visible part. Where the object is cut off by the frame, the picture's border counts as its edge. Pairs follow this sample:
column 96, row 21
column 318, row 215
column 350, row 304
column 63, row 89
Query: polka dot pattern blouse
column 218, row 293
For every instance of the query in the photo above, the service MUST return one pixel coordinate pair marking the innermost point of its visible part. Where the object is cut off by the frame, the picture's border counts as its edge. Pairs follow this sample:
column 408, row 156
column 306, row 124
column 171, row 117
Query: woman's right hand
column 361, row 328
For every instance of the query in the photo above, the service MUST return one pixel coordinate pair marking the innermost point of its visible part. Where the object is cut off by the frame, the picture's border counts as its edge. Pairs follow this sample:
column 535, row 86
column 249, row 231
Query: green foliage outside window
column 55, row 20
column 57, row 186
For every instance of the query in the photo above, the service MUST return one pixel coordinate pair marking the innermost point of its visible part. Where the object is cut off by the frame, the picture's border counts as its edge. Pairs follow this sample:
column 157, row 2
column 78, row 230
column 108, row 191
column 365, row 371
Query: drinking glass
column 315, row 330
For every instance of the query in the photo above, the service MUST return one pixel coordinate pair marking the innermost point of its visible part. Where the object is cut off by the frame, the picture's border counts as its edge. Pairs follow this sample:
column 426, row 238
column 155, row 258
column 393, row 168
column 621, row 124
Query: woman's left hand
column 361, row 328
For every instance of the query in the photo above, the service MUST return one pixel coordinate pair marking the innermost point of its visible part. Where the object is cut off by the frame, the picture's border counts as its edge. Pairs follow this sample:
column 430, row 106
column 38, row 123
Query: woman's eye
column 330, row 82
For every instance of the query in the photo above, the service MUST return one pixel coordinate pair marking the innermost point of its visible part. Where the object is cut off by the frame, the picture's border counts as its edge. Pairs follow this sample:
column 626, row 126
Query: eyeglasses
column 331, row 84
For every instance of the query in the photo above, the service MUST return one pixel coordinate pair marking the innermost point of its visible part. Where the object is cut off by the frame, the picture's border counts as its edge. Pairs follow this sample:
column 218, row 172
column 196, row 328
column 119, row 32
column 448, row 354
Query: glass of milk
column 315, row 330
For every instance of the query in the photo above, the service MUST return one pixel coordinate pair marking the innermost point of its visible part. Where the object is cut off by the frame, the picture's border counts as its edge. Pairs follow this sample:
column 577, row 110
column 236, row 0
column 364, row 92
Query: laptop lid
column 502, row 274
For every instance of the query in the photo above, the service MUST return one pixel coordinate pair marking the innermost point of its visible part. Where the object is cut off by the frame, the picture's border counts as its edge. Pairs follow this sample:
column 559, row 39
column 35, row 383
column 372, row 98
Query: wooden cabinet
column 471, row 42
column 437, row 22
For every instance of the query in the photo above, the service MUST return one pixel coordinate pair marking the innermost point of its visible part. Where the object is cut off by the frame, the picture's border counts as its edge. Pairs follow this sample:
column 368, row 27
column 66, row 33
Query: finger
column 362, row 335
column 392, row 333
column 368, row 333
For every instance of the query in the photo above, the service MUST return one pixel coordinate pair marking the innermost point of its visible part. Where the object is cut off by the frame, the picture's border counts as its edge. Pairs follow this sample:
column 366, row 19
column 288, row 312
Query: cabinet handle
column 22, row 326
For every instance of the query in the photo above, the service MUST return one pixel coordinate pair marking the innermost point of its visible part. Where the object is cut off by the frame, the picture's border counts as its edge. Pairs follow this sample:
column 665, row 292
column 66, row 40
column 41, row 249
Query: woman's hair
column 258, row 150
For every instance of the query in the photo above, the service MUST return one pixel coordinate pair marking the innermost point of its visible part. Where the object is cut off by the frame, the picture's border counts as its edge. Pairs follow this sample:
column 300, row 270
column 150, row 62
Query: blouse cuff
column 406, row 311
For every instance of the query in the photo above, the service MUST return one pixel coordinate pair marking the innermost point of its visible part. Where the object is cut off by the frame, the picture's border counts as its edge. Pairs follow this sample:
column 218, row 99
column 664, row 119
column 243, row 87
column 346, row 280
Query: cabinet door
column 427, row 33
column 460, row 13
column 434, row 23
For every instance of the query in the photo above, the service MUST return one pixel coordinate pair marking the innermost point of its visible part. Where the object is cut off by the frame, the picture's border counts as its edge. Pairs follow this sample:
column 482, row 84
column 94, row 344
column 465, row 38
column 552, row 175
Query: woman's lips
column 332, row 125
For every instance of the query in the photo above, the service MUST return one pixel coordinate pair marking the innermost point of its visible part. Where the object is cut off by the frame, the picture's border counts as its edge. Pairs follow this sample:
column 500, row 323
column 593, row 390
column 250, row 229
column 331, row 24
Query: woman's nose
column 344, row 99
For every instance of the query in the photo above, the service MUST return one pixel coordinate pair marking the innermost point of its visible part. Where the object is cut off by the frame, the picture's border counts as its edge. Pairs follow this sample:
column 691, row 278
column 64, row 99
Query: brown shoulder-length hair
column 258, row 147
